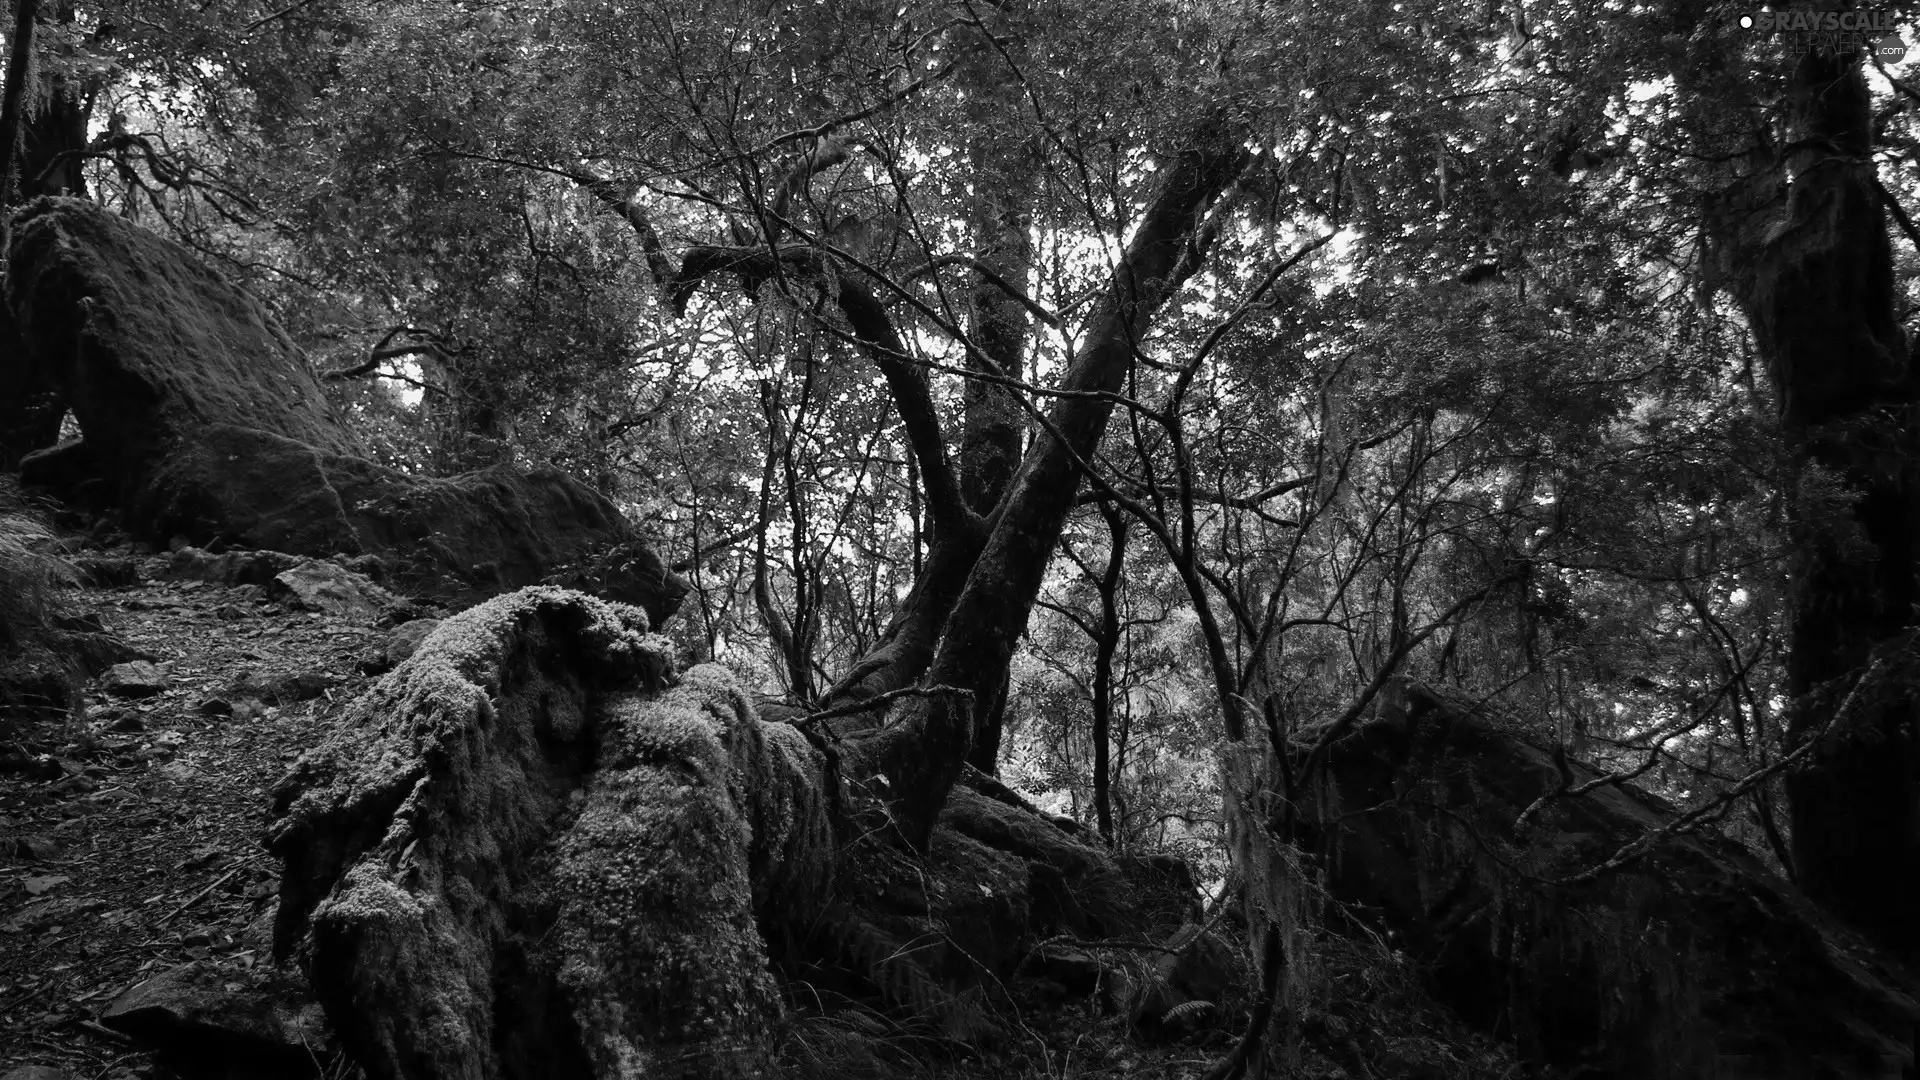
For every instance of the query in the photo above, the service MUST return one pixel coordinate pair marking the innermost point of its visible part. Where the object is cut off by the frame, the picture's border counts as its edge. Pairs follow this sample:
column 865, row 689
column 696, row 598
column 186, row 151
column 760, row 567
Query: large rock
column 1694, row 961
column 201, row 419
column 202, row 1025
column 317, row 585
column 135, row 678
column 158, row 345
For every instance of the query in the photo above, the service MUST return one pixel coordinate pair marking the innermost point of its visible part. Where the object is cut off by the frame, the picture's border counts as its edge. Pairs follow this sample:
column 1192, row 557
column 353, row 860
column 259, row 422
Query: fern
column 902, row 982
column 30, row 577
column 1186, row 1008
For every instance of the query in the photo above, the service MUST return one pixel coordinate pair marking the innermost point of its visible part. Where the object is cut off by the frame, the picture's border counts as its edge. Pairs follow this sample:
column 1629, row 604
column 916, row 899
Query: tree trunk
column 29, row 415
column 43, row 118
column 1820, row 298
column 1105, row 645
column 451, row 935
column 921, row 755
column 13, row 96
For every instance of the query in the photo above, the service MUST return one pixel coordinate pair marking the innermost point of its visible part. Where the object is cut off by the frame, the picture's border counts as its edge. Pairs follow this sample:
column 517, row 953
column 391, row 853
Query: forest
column 940, row 538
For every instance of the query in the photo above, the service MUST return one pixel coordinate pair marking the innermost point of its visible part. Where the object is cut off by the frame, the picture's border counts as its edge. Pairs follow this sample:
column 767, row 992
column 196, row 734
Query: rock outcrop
column 201, row 1024
column 1692, row 961
column 202, row 420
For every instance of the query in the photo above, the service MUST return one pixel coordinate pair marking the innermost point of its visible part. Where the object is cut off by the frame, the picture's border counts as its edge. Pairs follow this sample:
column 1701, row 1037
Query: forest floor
column 130, row 844
column 133, row 843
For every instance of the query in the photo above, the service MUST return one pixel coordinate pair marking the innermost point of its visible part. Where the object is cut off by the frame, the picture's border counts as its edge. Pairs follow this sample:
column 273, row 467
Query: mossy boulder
column 1693, row 961
column 201, row 419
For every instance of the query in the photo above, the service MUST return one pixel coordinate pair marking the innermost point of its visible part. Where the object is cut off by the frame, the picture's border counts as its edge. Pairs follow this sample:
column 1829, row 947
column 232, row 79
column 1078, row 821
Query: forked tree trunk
column 922, row 753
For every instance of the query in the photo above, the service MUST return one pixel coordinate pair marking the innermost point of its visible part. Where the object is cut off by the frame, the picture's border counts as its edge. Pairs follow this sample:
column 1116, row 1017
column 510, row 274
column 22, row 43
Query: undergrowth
column 31, row 577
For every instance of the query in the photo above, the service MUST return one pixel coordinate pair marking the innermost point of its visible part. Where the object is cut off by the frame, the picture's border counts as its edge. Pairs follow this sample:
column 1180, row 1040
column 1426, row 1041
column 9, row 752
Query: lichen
column 663, row 955
column 455, row 831
column 411, row 833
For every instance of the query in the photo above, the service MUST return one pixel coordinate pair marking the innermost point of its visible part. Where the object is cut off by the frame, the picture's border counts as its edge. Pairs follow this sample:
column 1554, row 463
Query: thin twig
column 201, row 895
column 869, row 704
column 1637, row 848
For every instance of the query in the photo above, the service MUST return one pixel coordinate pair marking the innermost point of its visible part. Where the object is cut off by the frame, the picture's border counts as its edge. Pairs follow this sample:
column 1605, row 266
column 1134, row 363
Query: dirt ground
column 130, row 844
column 130, row 838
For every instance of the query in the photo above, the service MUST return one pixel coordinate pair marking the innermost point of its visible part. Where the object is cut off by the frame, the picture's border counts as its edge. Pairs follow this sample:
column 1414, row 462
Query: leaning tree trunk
column 1819, row 294
column 923, row 753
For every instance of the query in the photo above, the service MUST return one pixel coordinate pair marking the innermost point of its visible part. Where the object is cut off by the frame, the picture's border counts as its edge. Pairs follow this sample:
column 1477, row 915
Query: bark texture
column 525, row 853
column 1812, row 266
column 533, row 850
column 923, row 753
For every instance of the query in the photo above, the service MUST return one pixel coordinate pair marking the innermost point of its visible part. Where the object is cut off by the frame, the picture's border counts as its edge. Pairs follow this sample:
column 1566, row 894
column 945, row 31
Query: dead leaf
column 38, row 885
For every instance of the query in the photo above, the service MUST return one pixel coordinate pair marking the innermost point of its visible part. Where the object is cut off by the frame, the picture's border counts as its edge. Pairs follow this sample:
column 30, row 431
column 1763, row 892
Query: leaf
column 38, row 885
column 1185, row 1008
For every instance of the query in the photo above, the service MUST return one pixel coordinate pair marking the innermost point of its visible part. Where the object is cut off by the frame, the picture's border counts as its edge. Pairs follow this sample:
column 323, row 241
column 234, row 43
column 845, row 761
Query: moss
column 662, row 951
column 413, row 833
column 456, row 805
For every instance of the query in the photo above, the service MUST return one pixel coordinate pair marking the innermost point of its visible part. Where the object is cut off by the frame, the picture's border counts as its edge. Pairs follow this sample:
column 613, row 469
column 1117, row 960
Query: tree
column 1811, row 264
column 1386, row 332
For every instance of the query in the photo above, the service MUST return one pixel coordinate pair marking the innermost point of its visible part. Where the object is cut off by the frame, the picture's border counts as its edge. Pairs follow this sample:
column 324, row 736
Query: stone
column 1206, row 968
column 216, row 707
column 1694, row 960
column 37, row 682
column 278, row 687
column 1195, row 965
column 107, row 571
column 71, row 471
column 97, row 652
column 201, row 420
column 135, row 678
column 30, row 406
column 979, row 897
column 1077, row 972
column 37, row 846
column 229, row 567
column 1075, row 887
column 317, row 585
column 198, row 1026
column 38, row 1072
column 406, row 638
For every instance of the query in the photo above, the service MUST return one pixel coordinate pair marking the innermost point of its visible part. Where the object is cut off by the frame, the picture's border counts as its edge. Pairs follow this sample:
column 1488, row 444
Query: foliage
column 31, row 575
column 1497, row 426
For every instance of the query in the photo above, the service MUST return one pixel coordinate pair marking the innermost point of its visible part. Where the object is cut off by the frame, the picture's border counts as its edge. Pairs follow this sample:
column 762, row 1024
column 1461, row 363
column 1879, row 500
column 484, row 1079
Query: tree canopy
column 1119, row 384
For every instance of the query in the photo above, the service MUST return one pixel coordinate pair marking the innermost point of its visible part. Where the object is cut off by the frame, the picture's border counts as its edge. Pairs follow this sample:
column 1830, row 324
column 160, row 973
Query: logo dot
column 1890, row 49
column 1746, row 22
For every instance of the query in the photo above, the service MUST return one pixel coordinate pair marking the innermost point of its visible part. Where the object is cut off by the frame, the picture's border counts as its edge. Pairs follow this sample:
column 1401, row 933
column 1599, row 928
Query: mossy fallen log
column 535, row 849
column 524, row 851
